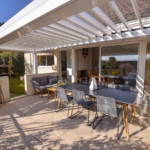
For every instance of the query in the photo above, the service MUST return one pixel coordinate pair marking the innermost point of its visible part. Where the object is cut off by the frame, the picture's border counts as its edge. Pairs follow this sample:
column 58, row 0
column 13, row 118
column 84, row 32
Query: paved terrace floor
column 31, row 123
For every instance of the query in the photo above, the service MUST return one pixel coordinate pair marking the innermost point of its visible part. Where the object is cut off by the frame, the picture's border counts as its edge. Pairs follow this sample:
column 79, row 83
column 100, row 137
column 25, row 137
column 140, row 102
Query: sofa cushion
column 42, row 88
column 53, row 79
column 50, row 85
column 41, row 80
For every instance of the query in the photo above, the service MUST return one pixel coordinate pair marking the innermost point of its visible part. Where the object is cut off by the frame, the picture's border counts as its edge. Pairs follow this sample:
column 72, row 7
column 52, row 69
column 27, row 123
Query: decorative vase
column 93, row 84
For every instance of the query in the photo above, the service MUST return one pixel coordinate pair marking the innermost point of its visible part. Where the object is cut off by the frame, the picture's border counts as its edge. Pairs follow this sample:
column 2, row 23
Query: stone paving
column 31, row 123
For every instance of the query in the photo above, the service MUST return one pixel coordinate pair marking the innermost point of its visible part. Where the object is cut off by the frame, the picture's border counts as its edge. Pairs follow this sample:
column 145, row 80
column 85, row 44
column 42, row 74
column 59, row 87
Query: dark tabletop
column 127, row 97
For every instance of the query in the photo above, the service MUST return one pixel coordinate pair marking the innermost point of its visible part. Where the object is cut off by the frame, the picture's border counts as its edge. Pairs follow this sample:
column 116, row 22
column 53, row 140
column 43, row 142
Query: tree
column 18, row 62
column 4, row 56
column 125, row 69
column 111, row 63
column 112, row 60
column 17, row 58
column 1, row 23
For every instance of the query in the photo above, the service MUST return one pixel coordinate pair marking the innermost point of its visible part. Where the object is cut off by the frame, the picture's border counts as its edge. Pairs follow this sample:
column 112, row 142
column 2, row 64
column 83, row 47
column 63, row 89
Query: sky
column 8, row 8
column 122, row 57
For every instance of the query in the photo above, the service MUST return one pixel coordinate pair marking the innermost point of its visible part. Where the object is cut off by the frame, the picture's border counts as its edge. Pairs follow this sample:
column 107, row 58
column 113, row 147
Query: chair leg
column 78, row 108
column 119, row 134
column 34, row 91
column 56, row 105
column 68, row 111
column 1, row 99
column 72, row 111
column 77, row 113
column 96, row 117
column 41, row 94
column 88, row 116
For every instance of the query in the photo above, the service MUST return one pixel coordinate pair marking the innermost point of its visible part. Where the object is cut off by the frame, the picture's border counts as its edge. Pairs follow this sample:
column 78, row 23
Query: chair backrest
column 79, row 98
column 61, row 94
column 122, row 87
column 119, row 81
column 85, row 82
column 107, row 106
column 41, row 80
column 102, row 84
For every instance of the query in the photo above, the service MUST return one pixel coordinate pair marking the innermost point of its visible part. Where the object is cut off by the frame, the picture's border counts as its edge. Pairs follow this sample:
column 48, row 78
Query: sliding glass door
column 66, row 69
column 120, row 63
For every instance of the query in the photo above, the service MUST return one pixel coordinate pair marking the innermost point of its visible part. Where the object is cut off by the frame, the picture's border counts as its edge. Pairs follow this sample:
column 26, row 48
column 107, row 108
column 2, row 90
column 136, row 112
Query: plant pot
column 21, row 78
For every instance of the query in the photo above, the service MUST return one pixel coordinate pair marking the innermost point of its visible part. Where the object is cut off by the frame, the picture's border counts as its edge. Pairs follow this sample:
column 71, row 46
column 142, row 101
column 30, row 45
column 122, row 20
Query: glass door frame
column 140, row 68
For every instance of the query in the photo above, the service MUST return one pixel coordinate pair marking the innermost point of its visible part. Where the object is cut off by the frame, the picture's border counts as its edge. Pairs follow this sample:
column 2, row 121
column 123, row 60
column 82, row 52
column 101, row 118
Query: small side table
column 52, row 89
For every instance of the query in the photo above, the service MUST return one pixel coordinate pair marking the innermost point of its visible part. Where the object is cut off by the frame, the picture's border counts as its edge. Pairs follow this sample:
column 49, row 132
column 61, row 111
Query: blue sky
column 8, row 8
column 122, row 58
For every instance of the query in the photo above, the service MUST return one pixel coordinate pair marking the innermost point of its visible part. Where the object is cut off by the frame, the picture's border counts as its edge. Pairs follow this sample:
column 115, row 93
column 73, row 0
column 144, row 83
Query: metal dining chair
column 103, row 84
column 79, row 99
column 123, row 87
column 85, row 82
column 61, row 95
column 107, row 106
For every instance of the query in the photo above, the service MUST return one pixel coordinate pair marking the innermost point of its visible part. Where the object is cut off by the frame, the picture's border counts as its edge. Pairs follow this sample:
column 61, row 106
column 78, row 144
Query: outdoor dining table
column 121, row 96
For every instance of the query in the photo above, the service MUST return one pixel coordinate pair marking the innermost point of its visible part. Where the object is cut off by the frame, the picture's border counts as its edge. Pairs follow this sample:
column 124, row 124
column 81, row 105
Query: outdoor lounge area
column 32, row 123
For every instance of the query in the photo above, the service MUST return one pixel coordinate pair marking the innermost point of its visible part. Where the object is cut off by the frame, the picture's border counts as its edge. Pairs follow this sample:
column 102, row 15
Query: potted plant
column 10, row 62
column 54, row 67
column 60, row 82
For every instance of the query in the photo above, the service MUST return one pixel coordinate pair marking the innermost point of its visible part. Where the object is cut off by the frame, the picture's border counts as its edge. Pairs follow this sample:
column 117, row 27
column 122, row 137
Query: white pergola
column 47, row 25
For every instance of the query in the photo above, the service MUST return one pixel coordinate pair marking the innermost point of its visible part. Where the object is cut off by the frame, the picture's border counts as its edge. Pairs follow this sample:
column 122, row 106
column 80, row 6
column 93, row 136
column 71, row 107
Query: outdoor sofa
column 42, row 83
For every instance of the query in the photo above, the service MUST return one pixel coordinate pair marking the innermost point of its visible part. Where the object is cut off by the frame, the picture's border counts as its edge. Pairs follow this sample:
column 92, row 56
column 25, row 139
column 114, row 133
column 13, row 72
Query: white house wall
column 84, row 63
column 4, row 82
column 28, row 57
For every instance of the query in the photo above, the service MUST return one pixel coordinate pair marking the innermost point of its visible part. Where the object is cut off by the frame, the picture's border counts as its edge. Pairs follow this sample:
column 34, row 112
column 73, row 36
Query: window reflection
column 45, row 60
column 119, row 64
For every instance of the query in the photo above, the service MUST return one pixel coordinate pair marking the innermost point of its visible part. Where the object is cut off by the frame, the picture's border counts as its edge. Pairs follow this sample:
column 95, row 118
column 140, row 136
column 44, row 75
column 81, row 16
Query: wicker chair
column 79, row 99
column 61, row 94
column 107, row 106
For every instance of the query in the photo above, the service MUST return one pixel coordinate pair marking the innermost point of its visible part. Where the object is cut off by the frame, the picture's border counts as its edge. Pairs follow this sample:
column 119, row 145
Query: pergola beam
column 50, row 37
column 51, row 40
column 102, row 15
column 15, row 49
column 34, row 44
column 71, row 31
column 60, row 35
column 42, row 42
column 94, row 22
column 57, row 36
column 72, row 21
column 117, row 11
column 30, row 42
column 137, row 13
